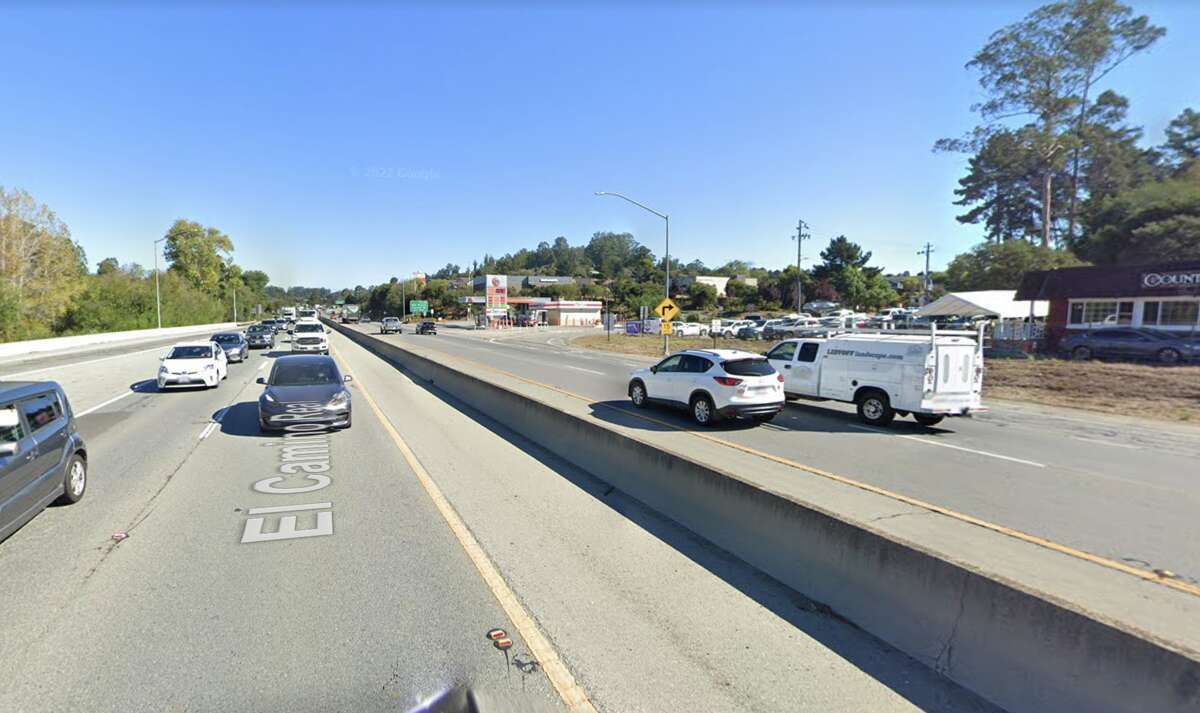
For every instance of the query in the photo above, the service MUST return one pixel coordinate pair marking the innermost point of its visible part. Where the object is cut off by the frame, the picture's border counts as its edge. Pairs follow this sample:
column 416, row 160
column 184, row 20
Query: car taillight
column 978, row 373
column 727, row 380
column 780, row 377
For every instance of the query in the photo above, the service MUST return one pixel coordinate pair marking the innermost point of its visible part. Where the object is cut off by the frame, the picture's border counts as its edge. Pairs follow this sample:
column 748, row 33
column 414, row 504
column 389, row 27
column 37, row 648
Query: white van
column 927, row 374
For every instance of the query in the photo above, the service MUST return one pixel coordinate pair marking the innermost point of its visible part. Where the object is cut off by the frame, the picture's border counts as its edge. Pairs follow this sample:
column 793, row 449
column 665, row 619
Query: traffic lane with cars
column 1126, row 503
column 135, row 446
column 206, row 606
column 589, row 564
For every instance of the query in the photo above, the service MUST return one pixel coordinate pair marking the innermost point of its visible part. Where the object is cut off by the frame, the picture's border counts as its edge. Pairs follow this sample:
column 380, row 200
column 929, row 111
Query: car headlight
column 268, row 397
column 340, row 398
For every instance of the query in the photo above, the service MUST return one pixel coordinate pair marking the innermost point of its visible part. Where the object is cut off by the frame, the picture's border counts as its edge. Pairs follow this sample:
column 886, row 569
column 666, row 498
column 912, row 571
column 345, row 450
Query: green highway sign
column 418, row 306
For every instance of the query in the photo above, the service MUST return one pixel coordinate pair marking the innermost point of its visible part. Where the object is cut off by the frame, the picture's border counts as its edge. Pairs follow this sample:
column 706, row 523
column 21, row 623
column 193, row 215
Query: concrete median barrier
column 82, row 341
column 1024, row 626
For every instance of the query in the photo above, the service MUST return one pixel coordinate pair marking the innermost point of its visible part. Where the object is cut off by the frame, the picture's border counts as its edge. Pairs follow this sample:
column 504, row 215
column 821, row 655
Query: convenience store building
column 1163, row 296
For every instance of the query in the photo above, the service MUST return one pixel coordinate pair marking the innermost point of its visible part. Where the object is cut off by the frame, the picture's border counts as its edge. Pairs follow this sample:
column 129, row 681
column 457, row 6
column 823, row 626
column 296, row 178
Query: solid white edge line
column 212, row 425
column 263, row 365
column 118, row 397
column 949, row 445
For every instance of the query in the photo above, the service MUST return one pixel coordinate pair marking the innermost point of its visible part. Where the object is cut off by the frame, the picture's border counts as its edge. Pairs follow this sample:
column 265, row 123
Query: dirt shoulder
column 1136, row 390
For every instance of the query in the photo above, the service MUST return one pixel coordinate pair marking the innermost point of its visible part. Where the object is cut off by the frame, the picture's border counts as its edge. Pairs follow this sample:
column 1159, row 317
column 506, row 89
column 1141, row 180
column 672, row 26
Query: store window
column 1089, row 312
column 1178, row 314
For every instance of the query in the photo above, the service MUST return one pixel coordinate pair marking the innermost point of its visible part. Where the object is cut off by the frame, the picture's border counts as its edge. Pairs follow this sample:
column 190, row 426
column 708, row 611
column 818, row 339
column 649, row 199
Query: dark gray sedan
column 234, row 345
column 1132, row 343
column 304, row 389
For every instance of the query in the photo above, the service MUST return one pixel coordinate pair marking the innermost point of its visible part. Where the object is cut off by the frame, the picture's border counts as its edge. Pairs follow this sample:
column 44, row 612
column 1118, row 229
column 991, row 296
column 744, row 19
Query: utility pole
column 928, row 284
column 157, row 298
column 235, row 303
column 801, row 236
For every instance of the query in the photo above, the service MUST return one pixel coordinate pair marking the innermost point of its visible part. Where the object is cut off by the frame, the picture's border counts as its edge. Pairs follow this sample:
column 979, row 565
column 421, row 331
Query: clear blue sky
column 341, row 145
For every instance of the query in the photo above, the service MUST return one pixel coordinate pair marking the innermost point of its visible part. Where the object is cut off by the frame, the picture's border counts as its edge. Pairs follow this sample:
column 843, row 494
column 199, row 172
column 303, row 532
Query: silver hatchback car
column 42, row 456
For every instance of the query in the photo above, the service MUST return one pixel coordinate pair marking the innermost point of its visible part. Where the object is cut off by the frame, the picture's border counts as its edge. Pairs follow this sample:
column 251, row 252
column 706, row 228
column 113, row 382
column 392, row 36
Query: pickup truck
column 929, row 375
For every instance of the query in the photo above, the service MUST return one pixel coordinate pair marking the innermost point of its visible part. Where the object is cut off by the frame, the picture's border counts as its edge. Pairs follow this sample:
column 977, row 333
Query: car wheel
column 1168, row 356
column 74, row 481
column 703, row 411
column 875, row 409
column 1081, row 353
column 637, row 394
column 928, row 419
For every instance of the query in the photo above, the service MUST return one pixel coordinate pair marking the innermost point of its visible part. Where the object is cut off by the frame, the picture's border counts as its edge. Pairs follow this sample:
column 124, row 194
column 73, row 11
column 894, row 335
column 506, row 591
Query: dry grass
column 1137, row 390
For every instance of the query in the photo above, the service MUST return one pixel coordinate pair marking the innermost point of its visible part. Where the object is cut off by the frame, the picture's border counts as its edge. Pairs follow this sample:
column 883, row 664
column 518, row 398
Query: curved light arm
column 639, row 205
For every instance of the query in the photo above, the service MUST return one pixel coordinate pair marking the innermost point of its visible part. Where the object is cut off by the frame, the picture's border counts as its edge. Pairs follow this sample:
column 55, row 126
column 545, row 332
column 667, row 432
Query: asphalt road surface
column 1116, row 487
column 390, row 603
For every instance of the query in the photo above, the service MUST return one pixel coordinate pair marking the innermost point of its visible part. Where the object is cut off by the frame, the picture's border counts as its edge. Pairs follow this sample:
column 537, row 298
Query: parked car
column 427, row 327
column 42, row 455
column 687, row 329
column 391, row 325
column 295, row 384
column 729, row 327
column 1132, row 343
column 752, row 330
column 235, row 345
column 711, row 385
column 261, row 335
column 193, row 364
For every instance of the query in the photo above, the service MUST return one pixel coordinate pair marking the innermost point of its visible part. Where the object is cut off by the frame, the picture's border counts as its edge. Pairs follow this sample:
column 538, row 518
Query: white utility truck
column 929, row 374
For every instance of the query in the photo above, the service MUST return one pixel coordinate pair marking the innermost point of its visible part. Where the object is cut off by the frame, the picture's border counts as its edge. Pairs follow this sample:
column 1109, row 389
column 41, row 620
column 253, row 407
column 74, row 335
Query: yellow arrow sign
column 667, row 310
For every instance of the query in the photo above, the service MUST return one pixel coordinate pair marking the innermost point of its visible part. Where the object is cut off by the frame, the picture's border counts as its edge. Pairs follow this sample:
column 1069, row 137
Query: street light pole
column 157, row 299
column 667, row 227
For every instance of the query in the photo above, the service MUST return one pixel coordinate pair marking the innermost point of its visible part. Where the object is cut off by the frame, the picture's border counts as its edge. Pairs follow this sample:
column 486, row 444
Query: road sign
column 667, row 310
column 665, row 328
column 418, row 306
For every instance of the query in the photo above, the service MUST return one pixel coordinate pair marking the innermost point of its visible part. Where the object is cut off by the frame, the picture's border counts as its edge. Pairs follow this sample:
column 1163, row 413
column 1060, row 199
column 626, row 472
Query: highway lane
column 184, row 616
column 1114, row 487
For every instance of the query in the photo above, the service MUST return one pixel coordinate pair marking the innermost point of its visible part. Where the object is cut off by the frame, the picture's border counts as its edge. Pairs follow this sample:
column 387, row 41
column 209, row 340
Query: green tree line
column 47, row 289
column 1056, row 173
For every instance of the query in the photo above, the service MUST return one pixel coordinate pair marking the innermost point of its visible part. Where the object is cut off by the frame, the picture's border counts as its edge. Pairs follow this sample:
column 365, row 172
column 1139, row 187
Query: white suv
column 712, row 384
column 310, row 337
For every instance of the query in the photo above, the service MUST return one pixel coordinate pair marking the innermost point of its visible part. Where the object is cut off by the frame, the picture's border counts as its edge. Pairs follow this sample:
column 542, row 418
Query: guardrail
column 35, row 346
column 1015, row 644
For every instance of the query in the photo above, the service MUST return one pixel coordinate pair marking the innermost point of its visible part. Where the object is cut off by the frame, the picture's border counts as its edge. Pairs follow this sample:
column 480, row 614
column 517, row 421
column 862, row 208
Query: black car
column 234, row 345
column 261, row 335
column 304, row 389
column 42, row 456
column 427, row 328
column 1132, row 343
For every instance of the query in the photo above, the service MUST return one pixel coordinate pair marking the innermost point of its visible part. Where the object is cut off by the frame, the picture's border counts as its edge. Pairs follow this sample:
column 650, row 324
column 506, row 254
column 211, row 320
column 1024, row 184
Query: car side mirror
column 347, row 377
column 8, row 448
column 654, row 369
column 260, row 380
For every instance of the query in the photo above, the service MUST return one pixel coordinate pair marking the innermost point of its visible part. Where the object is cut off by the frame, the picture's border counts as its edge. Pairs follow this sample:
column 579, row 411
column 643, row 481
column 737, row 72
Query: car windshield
column 226, row 338
column 196, row 352
column 748, row 367
column 305, row 373
column 309, row 328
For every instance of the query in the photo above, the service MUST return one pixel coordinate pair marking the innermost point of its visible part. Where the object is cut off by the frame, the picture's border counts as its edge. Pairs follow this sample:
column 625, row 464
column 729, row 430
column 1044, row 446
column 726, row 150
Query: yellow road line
column 1145, row 574
column 560, row 676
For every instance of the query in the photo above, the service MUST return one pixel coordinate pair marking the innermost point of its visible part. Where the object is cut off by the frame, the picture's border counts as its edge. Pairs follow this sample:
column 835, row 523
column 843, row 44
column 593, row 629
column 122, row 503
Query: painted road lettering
column 303, row 460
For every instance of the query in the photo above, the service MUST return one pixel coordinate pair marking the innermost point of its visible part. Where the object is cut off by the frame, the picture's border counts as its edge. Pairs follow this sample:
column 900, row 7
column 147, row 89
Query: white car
column 729, row 328
column 309, row 336
column 712, row 384
column 193, row 364
column 688, row 329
